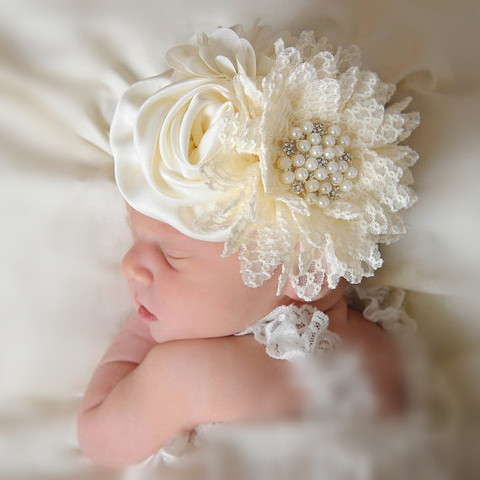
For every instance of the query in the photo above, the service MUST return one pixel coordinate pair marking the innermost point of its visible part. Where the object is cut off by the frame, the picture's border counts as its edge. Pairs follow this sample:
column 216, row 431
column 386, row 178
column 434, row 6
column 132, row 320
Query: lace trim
column 290, row 332
column 382, row 305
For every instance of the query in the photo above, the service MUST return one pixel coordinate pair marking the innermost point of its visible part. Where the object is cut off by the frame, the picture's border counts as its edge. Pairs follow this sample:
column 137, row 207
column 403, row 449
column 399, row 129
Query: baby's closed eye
column 176, row 256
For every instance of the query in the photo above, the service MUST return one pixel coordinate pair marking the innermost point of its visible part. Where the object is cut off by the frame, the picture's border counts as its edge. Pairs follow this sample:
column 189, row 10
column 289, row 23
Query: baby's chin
column 161, row 336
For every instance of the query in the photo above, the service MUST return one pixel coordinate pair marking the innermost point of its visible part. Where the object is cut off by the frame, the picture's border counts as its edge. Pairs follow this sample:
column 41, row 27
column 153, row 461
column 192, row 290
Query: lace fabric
column 290, row 332
column 338, row 438
column 199, row 147
column 318, row 81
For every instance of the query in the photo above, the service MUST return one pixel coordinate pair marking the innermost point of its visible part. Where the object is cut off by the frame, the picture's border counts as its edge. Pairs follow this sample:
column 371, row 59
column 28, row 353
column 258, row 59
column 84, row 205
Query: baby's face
column 191, row 290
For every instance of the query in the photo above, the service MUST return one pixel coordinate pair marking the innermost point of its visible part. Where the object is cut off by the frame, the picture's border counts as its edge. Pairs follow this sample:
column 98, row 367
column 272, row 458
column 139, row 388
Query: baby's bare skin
column 162, row 378
column 178, row 385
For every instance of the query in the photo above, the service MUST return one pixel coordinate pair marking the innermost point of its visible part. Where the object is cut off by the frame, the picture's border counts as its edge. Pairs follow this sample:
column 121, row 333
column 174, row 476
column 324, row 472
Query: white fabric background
column 63, row 64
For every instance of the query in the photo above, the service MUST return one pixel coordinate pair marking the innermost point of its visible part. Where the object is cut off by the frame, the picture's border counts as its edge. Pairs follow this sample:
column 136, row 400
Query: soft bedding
column 63, row 65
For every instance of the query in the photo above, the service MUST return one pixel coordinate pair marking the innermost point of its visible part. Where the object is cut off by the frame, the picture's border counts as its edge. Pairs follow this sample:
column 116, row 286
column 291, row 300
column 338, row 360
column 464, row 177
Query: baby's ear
column 290, row 292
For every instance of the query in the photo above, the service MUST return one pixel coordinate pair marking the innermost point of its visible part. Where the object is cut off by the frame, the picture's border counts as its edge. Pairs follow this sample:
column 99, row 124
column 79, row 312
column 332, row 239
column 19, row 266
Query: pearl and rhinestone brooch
column 316, row 163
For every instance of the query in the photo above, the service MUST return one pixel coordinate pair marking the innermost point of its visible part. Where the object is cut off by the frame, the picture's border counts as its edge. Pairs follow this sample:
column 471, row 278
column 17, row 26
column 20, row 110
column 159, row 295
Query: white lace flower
column 280, row 146
column 290, row 332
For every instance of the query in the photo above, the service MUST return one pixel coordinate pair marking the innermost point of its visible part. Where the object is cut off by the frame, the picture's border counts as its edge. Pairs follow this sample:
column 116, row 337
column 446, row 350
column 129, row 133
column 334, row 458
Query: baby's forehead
column 165, row 232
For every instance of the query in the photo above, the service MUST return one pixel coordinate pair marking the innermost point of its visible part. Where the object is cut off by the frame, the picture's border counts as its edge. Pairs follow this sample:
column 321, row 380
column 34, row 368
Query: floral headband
column 280, row 147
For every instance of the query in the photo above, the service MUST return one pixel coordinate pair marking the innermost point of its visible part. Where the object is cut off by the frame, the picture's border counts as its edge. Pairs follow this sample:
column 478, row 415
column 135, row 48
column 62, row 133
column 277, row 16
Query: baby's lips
column 146, row 314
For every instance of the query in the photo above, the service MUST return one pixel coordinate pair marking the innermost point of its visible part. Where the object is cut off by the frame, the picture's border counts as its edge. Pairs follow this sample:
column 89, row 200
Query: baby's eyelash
column 169, row 255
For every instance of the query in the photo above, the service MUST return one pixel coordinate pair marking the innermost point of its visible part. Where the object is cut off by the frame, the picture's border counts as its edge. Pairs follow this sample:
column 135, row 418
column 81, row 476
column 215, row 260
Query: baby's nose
column 134, row 268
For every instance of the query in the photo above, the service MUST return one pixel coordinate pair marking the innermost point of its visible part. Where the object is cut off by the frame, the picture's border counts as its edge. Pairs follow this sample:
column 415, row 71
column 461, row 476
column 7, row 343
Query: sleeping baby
column 259, row 173
column 176, row 362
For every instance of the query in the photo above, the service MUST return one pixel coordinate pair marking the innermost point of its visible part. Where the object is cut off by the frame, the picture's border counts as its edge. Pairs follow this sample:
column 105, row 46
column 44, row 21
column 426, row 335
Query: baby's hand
column 127, row 350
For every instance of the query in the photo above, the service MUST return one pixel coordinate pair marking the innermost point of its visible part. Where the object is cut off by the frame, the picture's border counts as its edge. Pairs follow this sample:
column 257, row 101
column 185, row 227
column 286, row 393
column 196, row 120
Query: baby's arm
column 179, row 385
column 148, row 406
column 127, row 350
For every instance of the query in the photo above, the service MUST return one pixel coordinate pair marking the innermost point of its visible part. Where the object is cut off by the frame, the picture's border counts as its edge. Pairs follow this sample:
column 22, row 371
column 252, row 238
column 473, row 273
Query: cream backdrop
column 64, row 63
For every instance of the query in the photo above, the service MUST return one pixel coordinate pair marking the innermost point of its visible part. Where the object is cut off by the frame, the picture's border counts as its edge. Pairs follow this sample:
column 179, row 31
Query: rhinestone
column 289, row 147
column 319, row 128
column 297, row 188
column 334, row 192
column 347, row 157
column 323, row 161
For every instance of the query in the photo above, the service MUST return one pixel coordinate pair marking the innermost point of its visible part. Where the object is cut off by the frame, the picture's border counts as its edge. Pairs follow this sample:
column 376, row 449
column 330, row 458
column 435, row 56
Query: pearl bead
column 345, row 141
column 325, row 187
column 329, row 153
column 351, row 173
column 316, row 151
column 332, row 166
column 313, row 185
column 337, row 178
column 296, row 133
column 298, row 160
column 301, row 173
column 346, row 186
column 311, row 164
column 342, row 166
column 339, row 149
column 315, row 138
column 303, row 146
column 307, row 127
column 329, row 141
column 321, row 173
column 323, row 201
column 284, row 163
column 311, row 198
column 288, row 177
column 335, row 130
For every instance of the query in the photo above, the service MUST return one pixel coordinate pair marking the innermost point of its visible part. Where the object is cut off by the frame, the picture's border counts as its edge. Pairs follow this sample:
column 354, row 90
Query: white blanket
column 63, row 65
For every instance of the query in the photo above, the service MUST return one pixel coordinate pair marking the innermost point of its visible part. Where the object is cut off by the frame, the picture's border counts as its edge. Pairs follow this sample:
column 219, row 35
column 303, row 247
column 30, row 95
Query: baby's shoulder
column 366, row 332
